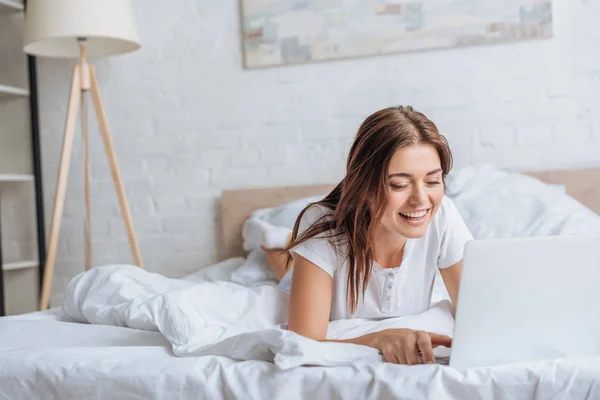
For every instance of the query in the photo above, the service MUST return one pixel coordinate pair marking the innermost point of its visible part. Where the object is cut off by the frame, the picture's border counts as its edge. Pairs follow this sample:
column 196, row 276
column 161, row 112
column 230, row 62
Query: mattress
column 44, row 356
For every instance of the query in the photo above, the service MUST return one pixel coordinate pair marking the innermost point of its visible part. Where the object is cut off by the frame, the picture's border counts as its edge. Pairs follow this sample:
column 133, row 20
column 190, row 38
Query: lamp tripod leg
column 112, row 159
column 61, row 187
column 86, row 181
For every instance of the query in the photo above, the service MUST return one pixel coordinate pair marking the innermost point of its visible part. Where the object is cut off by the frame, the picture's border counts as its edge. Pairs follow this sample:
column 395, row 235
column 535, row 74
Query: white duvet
column 223, row 318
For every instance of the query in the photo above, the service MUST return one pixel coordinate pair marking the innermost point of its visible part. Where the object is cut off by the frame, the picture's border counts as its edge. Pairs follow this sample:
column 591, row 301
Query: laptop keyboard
column 442, row 360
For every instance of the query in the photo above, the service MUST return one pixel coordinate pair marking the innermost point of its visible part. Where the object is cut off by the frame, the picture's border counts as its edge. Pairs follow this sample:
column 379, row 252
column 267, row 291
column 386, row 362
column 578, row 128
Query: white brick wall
column 188, row 121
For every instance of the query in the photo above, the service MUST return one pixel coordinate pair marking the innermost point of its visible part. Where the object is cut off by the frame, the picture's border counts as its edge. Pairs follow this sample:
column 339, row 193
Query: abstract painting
column 281, row 32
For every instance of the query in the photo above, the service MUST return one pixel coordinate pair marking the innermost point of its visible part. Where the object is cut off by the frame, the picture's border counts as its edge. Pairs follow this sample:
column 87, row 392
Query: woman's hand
column 405, row 346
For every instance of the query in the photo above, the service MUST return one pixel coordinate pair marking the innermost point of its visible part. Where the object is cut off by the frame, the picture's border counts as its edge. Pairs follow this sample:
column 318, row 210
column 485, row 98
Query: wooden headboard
column 237, row 205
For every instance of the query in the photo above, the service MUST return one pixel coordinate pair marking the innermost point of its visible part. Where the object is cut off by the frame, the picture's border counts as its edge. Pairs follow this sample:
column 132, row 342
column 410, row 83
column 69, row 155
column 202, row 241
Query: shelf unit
column 20, row 166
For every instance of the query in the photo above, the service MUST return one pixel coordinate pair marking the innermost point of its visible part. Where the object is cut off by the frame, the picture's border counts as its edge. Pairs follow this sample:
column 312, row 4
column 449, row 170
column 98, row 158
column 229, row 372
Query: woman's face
column 415, row 190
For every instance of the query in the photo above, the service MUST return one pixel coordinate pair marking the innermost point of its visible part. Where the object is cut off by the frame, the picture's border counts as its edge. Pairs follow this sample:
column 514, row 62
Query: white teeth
column 415, row 215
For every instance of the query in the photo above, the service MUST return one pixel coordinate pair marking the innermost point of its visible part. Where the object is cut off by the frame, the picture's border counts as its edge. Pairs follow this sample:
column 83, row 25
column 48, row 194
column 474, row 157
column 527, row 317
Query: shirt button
column 391, row 274
column 390, row 286
column 388, row 298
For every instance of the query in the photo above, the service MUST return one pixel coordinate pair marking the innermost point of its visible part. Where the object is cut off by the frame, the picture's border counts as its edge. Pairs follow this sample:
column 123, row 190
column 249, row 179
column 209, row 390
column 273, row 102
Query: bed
column 47, row 355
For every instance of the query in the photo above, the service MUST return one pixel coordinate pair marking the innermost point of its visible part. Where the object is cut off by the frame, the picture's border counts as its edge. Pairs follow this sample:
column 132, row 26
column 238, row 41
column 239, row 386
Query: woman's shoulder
column 452, row 234
column 318, row 249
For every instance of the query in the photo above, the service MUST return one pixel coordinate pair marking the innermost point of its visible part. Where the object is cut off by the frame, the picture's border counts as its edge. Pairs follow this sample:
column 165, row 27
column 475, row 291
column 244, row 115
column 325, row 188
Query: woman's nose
column 418, row 195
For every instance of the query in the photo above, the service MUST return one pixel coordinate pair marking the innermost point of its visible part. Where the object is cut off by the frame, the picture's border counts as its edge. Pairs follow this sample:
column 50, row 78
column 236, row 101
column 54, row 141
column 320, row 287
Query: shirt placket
column 388, row 290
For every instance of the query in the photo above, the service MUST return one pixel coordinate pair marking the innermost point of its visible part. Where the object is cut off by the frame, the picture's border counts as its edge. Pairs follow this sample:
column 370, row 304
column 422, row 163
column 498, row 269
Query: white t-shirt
column 391, row 292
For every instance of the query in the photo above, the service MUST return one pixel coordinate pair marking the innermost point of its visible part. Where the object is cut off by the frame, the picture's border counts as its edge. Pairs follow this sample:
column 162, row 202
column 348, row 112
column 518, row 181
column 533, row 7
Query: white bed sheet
column 42, row 356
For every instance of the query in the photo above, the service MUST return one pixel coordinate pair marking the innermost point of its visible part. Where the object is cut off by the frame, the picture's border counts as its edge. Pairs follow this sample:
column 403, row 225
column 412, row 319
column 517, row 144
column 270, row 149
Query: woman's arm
column 310, row 299
column 310, row 305
column 451, row 277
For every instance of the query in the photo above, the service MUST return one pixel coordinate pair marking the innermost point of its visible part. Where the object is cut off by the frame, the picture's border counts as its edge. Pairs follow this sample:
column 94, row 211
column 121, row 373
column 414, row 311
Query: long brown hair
column 358, row 201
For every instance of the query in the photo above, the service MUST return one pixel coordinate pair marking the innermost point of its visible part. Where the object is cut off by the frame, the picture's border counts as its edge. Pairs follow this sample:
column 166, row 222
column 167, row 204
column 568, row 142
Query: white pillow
column 500, row 204
column 560, row 188
column 286, row 214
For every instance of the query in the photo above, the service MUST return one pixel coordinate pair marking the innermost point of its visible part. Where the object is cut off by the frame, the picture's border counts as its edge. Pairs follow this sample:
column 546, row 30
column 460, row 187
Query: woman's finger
column 440, row 340
column 412, row 356
column 424, row 343
column 411, row 351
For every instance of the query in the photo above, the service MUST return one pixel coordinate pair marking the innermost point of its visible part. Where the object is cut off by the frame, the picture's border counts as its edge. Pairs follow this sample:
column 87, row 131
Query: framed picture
column 280, row 32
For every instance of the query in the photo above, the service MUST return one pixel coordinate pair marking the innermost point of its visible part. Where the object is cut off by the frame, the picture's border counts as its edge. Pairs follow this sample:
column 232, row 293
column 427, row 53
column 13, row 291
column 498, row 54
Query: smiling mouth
column 415, row 217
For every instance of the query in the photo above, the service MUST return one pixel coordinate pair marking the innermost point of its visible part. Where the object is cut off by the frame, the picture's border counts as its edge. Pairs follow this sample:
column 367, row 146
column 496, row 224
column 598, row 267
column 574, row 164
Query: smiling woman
column 371, row 247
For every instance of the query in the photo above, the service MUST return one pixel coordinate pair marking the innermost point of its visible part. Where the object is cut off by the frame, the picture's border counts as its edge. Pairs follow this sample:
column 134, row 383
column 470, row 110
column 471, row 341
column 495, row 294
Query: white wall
column 188, row 121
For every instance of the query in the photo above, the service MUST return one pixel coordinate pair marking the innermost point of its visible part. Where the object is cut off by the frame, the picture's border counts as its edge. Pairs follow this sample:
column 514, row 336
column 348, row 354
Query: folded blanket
column 224, row 318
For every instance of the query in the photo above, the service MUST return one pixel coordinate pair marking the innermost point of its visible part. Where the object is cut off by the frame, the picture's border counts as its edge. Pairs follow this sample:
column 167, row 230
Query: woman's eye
column 398, row 187
column 433, row 183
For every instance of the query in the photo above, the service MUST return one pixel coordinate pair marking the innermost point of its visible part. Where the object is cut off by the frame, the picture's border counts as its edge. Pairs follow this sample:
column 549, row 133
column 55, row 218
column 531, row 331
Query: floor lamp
column 81, row 29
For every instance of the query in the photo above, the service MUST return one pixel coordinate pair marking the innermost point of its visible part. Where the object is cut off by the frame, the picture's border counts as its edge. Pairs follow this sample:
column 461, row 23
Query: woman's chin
column 413, row 234
column 413, row 231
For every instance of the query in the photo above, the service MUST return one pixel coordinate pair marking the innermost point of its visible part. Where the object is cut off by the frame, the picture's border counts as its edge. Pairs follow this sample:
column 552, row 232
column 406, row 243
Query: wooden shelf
column 19, row 265
column 16, row 178
column 19, row 146
column 11, row 91
column 9, row 7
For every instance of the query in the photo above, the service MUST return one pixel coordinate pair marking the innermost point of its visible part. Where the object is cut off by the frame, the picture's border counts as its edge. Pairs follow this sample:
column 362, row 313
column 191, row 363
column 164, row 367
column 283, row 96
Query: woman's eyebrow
column 406, row 175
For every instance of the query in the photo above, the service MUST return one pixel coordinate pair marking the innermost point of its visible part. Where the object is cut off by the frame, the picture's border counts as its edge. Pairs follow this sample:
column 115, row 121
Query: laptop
column 527, row 299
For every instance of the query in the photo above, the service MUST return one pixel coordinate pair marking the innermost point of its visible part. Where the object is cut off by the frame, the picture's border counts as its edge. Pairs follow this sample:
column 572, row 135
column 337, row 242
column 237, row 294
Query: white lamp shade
column 53, row 26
